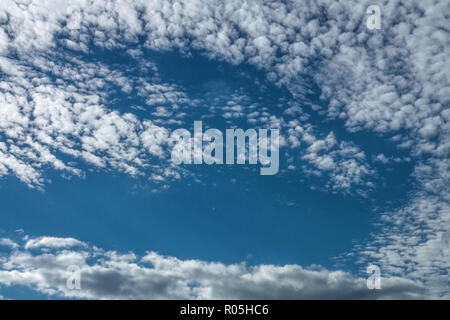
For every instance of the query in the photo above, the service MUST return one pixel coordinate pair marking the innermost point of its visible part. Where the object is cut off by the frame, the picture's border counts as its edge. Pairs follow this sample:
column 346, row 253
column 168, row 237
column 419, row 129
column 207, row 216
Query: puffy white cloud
column 343, row 161
column 8, row 243
column 42, row 119
column 111, row 275
column 414, row 243
column 280, row 38
column 52, row 242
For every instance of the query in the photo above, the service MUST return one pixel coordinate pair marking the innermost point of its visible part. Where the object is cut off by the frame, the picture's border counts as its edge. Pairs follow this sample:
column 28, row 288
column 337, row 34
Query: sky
column 91, row 93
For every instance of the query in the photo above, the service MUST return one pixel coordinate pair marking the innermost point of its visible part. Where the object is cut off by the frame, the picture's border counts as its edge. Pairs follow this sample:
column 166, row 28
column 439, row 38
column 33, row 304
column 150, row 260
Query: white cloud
column 8, row 243
column 284, row 43
column 42, row 119
column 53, row 242
column 111, row 275
column 414, row 243
column 343, row 162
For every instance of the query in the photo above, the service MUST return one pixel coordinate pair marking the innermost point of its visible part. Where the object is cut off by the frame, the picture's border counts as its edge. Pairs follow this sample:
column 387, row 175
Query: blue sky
column 88, row 104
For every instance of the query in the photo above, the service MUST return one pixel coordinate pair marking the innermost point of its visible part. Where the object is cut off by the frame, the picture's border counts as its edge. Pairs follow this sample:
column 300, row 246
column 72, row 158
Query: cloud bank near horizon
column 44, row 264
